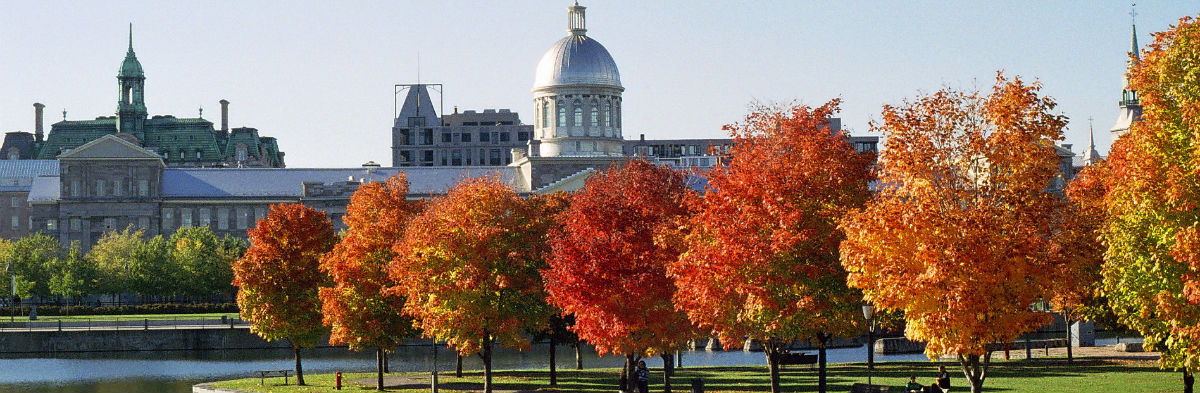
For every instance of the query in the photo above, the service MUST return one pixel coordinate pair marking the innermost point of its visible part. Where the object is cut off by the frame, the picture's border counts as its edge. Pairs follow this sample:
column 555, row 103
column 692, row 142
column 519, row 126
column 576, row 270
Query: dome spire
column 576, row 21
column 130, row 37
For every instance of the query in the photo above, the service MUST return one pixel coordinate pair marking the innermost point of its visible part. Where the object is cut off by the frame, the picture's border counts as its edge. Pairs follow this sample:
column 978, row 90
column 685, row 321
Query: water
column 177, row 371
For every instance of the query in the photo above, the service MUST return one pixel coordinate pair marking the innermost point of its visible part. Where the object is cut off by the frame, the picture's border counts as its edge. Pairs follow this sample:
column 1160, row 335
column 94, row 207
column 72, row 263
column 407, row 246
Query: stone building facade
column 469, row 138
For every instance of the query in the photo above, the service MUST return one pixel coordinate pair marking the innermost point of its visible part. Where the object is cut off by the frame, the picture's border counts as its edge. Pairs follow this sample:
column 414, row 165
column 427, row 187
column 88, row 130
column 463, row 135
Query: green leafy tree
column 152, row 273
column 72, row 276
column 112, row 256
column 31, row 258
column 204, row 269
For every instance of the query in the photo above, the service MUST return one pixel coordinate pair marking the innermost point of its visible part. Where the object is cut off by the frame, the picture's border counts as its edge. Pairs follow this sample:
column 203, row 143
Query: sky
column 319, row 75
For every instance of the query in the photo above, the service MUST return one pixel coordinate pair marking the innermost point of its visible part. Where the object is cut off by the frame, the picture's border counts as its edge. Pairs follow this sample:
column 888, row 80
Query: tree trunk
column 379, row 368
column 578, row 355
column 1187, row 381
column 975, row 370
column 630, row 372
column 771, row 348
column 822, row 338
column 486, row 355
column 668, row 369
column 458, row 367
column 299, row 369
column 1070, row 358
column 553, row 360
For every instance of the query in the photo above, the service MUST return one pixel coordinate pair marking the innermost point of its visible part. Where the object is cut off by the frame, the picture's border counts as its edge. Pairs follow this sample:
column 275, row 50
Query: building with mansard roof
column 180, row 141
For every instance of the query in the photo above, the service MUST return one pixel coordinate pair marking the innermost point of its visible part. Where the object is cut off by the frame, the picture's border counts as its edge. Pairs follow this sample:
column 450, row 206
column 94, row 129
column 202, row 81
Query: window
column 110, row 224
column 617, row 114
column 168, row 217
column 143, row 188
column 446, row 137
column 223, row 218
column 427, row 136
column 197, row 154
column 608, row 114
column 243, row 217
column 100, row 191
column 75, row 187
column 578, row 116
column 494, row 157
column 456, row 158
column 466, row 137
column 522, row 136
column 16, row 202
column 545, row 113
column 260, row 213
column 144, row 222
column 16, row 222
column 241, row 152
column 595, row 114
column 205, row 217
column 185, row 217
column 427, row 155
column 51, row 225
column 76, row 224
column 405, row 137
column 416, row 121
column 562, row 114
column 117, row 187
column 505, row 136
column 484, row 137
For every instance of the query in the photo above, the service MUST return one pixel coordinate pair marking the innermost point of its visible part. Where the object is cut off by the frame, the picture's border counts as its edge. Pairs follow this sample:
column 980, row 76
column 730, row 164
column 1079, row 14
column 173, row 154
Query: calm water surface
column 145, row 372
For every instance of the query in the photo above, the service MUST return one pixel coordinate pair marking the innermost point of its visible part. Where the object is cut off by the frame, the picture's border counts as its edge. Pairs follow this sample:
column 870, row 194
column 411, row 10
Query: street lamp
column 869, row 314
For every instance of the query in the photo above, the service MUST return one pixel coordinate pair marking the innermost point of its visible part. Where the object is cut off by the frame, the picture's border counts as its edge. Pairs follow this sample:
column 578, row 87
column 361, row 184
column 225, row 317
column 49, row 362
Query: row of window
column 405, row 136
column 577, row 114
column 456, row 157
column 242, row 217
column 105, row 188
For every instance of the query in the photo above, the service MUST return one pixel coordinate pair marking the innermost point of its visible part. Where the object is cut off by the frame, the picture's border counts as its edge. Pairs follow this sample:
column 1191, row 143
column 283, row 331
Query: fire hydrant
column 337, row 381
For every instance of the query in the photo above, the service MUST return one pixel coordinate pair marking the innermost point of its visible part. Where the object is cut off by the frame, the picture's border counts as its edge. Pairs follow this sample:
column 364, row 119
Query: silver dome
column 576, row 60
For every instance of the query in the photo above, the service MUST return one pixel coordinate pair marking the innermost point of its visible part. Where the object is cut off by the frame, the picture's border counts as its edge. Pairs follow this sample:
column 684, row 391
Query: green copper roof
column 130, row 67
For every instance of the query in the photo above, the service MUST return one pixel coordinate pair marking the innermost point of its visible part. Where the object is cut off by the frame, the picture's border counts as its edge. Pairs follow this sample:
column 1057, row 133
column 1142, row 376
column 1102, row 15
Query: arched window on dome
column 562, row 114
column 578, row 114
column 595, row 114
column 545, row 113
column 608, row 113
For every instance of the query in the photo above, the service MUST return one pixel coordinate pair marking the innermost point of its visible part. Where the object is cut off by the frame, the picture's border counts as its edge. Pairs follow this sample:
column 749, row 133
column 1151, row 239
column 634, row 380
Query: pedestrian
column 643, row 377
column 913, row 386
column 943, row 379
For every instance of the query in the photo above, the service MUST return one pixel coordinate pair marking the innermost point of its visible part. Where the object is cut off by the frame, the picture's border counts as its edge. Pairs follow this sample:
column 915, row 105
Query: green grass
column 127, row 317
column 1083, row 376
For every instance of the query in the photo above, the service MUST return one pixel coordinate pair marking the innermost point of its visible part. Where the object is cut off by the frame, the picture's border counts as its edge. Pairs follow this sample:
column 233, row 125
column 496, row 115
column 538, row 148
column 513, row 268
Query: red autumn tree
column 608, row 271
column 1152, row 264
column 278, row 277
column 960, row 235
column 359, row 311
column 1078, row 292
column 468, row 267
column 762, row 252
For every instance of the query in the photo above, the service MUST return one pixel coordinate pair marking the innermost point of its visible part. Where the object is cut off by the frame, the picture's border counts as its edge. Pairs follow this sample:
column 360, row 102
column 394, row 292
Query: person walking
column 643, row 377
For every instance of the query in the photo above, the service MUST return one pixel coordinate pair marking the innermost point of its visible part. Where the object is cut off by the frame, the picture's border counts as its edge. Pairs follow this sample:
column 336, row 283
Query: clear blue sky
column 318, row 75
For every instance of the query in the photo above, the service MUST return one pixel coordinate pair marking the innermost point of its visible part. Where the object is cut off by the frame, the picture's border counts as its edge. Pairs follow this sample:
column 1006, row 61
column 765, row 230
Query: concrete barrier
column 895, row 345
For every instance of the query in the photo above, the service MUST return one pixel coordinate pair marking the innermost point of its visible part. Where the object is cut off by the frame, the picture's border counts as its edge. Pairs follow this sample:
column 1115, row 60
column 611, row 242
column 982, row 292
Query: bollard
column 337, row 381
column 60, row 325
column 231, row 323
column 697, row 385
column 146, row 324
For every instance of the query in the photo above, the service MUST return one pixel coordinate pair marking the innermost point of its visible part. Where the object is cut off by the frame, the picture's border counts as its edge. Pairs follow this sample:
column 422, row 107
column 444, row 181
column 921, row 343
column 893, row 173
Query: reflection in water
column 177, row 371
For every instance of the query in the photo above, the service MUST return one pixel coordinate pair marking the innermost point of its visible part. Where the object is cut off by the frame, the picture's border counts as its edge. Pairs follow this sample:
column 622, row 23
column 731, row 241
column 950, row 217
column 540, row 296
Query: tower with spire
column 131, row 104
column 1131, row 108
column 1091, row 156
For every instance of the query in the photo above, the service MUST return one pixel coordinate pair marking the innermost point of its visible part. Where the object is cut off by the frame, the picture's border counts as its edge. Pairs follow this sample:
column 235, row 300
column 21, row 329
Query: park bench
column 864, row 388
column 264, row 374
column 788, row 358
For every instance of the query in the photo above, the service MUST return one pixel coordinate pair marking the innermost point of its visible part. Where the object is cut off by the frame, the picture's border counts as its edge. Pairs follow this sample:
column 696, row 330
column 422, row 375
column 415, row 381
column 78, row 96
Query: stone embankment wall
column 132, row 340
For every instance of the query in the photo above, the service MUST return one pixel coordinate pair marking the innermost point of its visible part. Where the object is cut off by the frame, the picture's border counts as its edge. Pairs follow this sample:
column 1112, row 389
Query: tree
column 205, row 269
column 31, row 258
column 468, row 269
column 278, row 277
column 152, row 271
column 1077, row 294
column 1153, row 203
column 762, row 249
column 112, row 255
column 960, row 235
column 608, row 271
column 72, row 276
column 358, row 309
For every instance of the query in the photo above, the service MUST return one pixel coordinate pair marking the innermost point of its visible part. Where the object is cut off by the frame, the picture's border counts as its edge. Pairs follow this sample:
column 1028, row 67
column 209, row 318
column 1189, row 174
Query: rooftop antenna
column 64, row 114
column 1133, row 13
column 201, row 112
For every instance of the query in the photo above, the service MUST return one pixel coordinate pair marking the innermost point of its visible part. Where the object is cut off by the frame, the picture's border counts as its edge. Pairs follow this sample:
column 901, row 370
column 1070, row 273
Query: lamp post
column 869, row 314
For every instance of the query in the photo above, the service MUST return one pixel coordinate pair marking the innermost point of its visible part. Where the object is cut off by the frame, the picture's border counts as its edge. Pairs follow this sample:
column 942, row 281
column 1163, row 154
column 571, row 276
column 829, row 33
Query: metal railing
column 110, row 323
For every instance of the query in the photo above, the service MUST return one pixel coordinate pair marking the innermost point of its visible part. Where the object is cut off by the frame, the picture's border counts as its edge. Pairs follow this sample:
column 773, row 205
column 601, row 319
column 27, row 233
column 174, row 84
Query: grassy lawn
column 127, row 317
column 1089, row 376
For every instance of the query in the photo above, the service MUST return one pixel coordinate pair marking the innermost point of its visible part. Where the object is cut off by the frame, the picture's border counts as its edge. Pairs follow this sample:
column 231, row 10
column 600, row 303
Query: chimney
column 642, row 137
column 37, row 120
column 224, row 116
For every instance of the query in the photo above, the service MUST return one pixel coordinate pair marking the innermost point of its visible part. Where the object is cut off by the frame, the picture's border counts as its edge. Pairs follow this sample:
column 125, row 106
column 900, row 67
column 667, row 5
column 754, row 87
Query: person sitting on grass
column 913, row 386
column 943, row 379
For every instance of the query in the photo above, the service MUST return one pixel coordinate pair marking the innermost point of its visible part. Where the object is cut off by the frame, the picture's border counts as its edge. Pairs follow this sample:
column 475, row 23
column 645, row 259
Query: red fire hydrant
column 337, row 382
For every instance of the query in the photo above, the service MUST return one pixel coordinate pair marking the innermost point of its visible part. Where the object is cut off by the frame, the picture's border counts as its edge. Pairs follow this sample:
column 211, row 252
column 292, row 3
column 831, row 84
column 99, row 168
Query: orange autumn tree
column 608, row 271
column 762, row 252
column 356, row 308
column 960, row 235
column 469, row 266
column 1152, row 264
column 278, row 277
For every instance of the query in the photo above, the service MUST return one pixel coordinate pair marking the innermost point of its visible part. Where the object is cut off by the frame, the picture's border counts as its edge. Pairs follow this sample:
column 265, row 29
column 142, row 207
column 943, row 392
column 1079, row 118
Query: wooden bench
column 864, row 388
column 264, row 374
column 788, row 358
